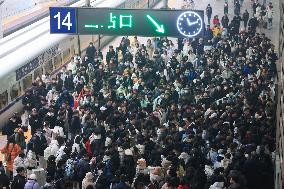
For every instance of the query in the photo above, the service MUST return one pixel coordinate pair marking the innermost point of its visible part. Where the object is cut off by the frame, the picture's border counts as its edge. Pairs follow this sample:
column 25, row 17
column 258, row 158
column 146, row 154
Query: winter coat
column 18, row 162
column 32, row 184
column 18, row 182
column 30, row 161
column 4, row 179
column 75, row 124
column 217, row 185
column 83, row 168
column 86, row 183
column 12, row 150
column 20, row 139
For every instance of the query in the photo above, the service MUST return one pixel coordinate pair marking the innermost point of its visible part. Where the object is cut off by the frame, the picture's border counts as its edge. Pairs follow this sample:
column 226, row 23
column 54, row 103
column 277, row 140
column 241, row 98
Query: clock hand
column 191, row 23
column 188, row 22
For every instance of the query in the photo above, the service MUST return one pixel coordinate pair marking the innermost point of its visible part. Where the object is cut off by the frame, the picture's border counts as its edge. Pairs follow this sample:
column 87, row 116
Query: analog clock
column 189, row 24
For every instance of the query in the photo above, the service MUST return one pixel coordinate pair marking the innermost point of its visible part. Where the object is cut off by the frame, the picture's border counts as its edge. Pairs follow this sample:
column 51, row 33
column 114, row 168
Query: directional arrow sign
column 129, row 22
column 160, row 28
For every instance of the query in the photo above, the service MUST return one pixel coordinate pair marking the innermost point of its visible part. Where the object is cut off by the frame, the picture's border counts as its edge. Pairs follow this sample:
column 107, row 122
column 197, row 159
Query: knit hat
column 32, row 177
column 128, row 152
column 89, row 176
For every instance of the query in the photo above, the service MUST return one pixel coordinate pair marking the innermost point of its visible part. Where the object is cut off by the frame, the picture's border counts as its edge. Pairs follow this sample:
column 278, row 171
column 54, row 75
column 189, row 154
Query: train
column 33, row 51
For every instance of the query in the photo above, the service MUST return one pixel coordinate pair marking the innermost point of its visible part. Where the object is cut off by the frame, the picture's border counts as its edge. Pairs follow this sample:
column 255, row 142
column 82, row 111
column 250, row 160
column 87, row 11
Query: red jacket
column 216, row 21
column 88, row 148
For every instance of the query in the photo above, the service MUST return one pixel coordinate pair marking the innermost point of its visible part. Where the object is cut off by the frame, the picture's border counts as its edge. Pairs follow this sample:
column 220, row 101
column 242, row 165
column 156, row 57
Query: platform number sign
column 62, row 20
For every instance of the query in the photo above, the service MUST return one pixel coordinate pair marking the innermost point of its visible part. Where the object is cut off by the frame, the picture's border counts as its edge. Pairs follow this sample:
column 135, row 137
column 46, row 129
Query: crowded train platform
column 155, row 112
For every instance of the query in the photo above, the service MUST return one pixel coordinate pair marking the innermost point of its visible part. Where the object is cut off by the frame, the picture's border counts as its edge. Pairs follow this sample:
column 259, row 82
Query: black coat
column 18, row 182
column 75, row 124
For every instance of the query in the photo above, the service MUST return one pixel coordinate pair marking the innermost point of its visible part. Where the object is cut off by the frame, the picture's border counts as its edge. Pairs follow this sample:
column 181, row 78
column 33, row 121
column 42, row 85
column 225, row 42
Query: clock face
column 189, row 24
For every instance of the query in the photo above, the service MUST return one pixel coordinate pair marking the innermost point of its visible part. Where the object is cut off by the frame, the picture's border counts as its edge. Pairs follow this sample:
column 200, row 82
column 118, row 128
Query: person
column 19, row 180
column 225, row 21
column 34, row 121
column 83, row 168
column 226, row 8
column 19, row 161
column 4, row 179
column 245, row 18
column 237, row 8
column 11, row 150
column 216, row 20
column 269, row 15
column 32, row 183
column 20, row 137
column 90, row 52
column 253, row 23
column 209, row 13
column 49, row 184
column 88, row 181
column 10, row 127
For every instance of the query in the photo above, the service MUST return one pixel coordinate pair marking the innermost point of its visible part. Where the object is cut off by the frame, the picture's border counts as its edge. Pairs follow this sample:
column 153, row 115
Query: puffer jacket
column 31, row 184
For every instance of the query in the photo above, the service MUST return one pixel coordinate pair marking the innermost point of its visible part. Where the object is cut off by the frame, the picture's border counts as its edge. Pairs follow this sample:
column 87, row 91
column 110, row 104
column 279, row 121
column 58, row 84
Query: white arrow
column 160, row 28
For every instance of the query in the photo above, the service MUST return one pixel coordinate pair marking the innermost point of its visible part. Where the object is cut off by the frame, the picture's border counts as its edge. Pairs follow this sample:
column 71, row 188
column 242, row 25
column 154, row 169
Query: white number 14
column 66, row 21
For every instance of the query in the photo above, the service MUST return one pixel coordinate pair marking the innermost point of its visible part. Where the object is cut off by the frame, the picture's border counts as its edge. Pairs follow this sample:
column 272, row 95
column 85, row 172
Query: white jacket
column 269, row 12
column 18, row 162
column 217, row 185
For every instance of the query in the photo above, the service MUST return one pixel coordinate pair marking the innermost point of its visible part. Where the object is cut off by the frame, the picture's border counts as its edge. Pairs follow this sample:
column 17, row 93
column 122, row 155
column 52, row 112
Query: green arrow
column 91, row 26
column 160, row 28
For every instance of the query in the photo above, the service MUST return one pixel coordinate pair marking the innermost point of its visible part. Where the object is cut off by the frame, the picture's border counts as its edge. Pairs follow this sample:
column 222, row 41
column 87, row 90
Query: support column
column 165, row 4
column 1, row 19
column 88, row 3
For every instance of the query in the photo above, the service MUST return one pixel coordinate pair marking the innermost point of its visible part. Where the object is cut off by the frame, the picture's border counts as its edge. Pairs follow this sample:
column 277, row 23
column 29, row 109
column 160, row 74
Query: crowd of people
column 193, row 115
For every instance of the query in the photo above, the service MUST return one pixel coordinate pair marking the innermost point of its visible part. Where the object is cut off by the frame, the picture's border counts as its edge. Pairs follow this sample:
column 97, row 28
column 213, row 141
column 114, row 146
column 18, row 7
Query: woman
column 32, row 182
column 150, row 48
column 88, row 180
column 11, row 151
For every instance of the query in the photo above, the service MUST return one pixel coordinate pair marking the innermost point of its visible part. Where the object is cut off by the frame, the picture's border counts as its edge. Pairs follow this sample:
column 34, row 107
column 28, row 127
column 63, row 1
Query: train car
column 33, row 51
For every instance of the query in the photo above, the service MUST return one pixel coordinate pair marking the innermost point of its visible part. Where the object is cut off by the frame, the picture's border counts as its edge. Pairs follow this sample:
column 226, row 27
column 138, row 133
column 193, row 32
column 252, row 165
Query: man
column 20, row 179
column 91, row 50
column 110, row 54
column 209, row 12
column 253, row 23
column 245, row 18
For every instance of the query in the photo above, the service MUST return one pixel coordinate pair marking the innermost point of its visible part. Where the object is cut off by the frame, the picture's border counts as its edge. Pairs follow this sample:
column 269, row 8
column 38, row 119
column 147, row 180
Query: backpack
column 48, row 187
column 70, row 169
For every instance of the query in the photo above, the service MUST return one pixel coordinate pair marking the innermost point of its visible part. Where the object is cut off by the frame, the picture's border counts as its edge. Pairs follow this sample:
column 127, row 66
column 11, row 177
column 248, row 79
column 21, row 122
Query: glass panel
column 27, row 82
column 3, row 99
column 48, row 66
column 66, row 55
column 38, row 73
column 15, row 91
column 57, row 61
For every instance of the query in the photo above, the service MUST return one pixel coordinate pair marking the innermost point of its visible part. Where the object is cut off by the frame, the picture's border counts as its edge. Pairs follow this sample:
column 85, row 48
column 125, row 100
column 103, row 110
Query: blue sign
column 62, row 20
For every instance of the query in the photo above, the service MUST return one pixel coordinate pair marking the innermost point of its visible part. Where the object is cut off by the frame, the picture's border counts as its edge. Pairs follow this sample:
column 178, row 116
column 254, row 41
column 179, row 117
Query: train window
column 3, row 99
column 48, row 66
column 57, row 61
column 66, row 56
column 27, row 82
column 15, row 91
column 38, row 73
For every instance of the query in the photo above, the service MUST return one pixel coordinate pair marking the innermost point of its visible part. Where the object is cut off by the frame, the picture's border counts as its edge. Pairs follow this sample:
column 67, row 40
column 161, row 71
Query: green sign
column 142, row 22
